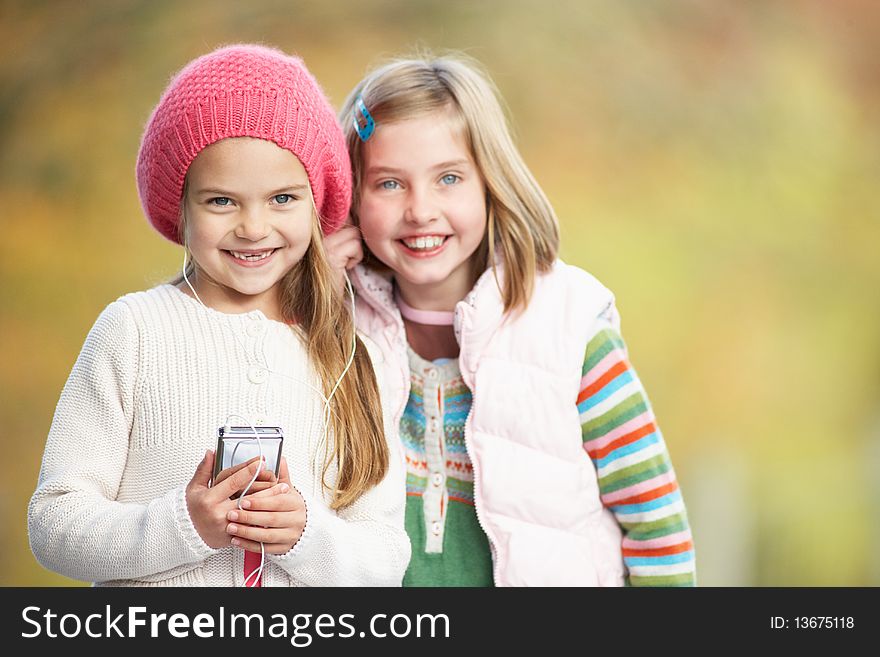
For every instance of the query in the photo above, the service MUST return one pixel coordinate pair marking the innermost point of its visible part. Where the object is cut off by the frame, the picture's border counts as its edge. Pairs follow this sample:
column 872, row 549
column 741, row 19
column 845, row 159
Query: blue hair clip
column 363, row 120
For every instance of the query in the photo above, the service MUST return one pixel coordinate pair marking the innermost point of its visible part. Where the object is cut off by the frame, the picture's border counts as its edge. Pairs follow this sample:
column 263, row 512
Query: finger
column 284, row 473
column 341, row 236
column 348, row 228
column 350, row 239
column 250, row 546
column 265, row 479
column 263, row 518
column 355, row 253
column 254, row 546
column 260, row 486
column 273, row 503
column 280, row 548
column 256, row 487
column 265, row 476
column 228, row 472
column 276, row 489
column 344, row 237
column 343, row 254
column 202, row 476
column 265, row 535
column 351, row 250
column 236, row 482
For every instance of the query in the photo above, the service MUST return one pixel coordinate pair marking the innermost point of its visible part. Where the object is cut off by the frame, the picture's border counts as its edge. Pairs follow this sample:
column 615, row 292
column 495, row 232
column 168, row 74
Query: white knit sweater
column 157, row 376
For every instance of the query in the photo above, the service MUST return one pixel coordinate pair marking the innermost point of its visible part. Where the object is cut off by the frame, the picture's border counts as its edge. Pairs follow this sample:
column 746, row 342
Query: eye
column 449, row 179
column 389, row 184
column 283, row 199
column 221, row 201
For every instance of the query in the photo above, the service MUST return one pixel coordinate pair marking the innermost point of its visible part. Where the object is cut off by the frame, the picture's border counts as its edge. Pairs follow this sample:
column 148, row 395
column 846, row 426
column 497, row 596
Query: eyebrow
column 449, row 164
column 299, row 187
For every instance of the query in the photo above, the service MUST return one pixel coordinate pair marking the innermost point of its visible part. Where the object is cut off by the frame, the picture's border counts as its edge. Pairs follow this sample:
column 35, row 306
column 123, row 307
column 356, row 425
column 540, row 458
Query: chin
column 430, row 279
column 250, row 290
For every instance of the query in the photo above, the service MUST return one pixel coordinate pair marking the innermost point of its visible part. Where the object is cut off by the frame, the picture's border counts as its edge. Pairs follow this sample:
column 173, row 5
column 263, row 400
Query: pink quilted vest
column 535, row 488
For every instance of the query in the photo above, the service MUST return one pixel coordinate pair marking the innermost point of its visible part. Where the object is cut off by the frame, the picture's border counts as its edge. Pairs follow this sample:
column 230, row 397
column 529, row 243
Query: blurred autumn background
column 714, row 162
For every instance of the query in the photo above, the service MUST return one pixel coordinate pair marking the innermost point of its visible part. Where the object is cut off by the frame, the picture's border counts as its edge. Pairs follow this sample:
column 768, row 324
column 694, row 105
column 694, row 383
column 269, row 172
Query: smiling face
column 249, row 218
column 422, row 207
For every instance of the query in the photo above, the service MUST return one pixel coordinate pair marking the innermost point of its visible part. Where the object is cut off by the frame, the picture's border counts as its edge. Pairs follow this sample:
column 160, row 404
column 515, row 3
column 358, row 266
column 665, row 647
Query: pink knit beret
column 242, row 91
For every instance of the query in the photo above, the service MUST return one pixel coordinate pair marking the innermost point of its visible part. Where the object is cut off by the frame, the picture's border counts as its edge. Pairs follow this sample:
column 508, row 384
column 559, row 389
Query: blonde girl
column 533, row 456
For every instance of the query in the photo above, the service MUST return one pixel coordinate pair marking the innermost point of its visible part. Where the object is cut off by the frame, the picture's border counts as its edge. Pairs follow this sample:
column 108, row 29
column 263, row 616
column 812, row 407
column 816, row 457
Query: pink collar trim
column 430, row 317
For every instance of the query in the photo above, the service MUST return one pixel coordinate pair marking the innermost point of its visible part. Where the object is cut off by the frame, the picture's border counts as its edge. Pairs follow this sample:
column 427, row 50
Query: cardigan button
column 255, row 328
column 436, row 528
column 437, row 478
column 257, row 374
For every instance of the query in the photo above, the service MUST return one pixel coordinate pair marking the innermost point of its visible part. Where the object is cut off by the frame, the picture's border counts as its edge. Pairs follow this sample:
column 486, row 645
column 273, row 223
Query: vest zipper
column 467, row 431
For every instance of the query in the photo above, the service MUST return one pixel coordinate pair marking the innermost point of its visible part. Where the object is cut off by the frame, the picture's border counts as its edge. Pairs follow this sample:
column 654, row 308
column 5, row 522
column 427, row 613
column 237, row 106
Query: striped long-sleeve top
column 636, row 479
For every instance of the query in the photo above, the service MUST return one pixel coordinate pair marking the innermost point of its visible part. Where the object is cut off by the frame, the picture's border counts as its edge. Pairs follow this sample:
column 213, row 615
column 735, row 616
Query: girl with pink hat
column 242, row 163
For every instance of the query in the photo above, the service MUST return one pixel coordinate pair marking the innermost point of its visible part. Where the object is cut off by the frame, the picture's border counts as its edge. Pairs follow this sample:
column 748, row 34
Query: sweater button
column 437, row 478
column 257, row 374
column 431, row 374
column 255, row 328
column 436, row 528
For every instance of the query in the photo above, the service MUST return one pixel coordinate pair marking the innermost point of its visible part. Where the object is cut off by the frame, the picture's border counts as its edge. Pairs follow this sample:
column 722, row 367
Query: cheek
column 298, row 246
column 298, row 228
column 373, row 221
column 305, row 231
column 197, row 236
column 472, row 216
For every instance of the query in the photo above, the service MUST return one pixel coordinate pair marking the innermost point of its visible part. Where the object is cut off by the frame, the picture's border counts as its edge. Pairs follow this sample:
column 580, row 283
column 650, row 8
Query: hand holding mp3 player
column 209, row 504
column 274, row 516
column 239, row 446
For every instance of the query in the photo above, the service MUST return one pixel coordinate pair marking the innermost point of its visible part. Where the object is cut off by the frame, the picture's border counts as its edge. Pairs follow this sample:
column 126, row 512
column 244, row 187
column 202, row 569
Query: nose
column 252, row 225
column 422, row 207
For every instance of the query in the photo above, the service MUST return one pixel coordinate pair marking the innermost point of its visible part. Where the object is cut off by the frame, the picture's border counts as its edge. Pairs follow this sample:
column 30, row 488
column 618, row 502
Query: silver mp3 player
column 239, row 444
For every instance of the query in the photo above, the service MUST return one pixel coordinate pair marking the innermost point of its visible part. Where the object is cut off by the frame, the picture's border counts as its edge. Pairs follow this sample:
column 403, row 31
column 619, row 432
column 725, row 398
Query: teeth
column 424, row 243
column 251, row 257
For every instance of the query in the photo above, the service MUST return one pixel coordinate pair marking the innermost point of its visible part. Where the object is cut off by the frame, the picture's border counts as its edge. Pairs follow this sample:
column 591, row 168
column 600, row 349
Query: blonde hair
column 314, row 305
column 520, row 222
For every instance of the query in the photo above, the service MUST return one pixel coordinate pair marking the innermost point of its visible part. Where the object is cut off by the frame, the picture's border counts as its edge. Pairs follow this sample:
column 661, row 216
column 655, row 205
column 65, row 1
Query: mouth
column 250, row 257
column 424, row 244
